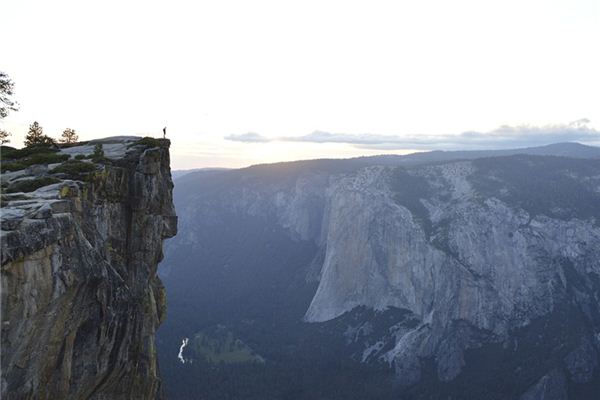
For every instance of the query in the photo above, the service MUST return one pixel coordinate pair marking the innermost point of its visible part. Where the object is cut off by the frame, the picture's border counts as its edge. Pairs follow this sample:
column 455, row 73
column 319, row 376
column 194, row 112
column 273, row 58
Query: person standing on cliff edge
column 165, row 132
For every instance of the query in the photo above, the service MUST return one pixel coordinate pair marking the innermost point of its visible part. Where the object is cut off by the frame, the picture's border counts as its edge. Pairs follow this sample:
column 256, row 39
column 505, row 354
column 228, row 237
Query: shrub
column 16, row 154
column 98, row 151
column 62, row 145
column 4, row 149
column 31, row 184
column 80, row 157
column 75, row 168
column 98, row 154
column 33, row 159
column 69, row 136
column 147, row 142
column 36, row 136
column 13, row 166
column 47, row 158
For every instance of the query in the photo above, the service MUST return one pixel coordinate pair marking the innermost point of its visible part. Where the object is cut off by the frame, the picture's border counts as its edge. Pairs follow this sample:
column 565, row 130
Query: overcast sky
column 242, row 82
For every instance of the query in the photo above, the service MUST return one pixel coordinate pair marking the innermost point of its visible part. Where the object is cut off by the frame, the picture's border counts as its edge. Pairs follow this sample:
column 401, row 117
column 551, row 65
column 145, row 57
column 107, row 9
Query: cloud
column 503, row 137
column 360, row 139
column 249, row 137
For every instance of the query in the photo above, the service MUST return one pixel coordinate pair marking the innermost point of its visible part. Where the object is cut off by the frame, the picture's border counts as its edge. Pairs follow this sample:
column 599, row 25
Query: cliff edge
column 81, row 242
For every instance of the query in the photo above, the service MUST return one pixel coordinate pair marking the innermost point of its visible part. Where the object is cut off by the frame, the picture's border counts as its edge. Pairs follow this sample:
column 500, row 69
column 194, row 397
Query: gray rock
column 61, row 206
column 81, row 300
column 44, row 212
column 37, row 170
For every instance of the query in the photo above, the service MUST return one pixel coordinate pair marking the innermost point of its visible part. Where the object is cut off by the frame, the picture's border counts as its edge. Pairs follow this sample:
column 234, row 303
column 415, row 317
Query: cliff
column 474, row 256
column 474, row 278
column 81, row 300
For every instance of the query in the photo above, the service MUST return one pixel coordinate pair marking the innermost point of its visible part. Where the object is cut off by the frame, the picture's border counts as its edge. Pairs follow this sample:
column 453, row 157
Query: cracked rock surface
column 81, row 300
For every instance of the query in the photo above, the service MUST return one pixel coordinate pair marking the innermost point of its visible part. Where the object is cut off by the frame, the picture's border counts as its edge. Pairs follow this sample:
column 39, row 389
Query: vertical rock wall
column 81, row 300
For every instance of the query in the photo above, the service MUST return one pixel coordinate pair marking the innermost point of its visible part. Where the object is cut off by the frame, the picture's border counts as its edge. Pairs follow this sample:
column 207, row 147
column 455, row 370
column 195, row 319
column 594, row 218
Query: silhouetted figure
column 165, row 132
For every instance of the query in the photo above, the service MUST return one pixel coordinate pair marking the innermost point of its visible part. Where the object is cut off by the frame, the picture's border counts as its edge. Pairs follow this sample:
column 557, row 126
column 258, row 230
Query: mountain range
column 433, row 275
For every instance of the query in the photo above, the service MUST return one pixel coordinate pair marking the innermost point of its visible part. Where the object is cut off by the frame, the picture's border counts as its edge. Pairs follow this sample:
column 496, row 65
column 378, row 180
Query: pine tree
column 4, row 137
column 69, row 136
column 36, row 135
column 98, row 154
column 7, row 103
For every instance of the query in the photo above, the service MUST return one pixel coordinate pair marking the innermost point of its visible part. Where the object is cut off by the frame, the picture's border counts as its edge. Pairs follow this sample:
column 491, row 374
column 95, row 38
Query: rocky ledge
column 81, row 238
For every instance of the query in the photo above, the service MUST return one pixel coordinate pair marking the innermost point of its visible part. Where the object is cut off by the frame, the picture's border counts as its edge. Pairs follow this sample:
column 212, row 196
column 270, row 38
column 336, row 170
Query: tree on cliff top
column 98, row 154
column 4, row 136
column 36, row 136
column 6, row 92
column 69, row 136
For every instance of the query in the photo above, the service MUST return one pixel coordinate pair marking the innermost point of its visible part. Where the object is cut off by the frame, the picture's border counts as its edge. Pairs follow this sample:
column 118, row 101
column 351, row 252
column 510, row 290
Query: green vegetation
column 5, row 150
column 219, row 345
column 36, row 136
column 98, row 151
column 47, row 158
column 541, row 185
column 4, row 136
column 67, row 145
column 69, row 136
column 80, row 157
column 13, row 166
column 17, row 159
column 31, row 184
column 15, row 154
column 7, row 103
column 147, row 142
column 313, row 363
column 98, row 155
column 75, row 169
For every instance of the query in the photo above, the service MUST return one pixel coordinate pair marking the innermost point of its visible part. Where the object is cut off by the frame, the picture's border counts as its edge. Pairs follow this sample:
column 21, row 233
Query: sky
column 245, row 82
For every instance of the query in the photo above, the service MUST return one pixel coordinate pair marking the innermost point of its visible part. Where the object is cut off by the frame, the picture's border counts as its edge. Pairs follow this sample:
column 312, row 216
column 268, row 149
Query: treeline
column 293, row 379
column 35, row 135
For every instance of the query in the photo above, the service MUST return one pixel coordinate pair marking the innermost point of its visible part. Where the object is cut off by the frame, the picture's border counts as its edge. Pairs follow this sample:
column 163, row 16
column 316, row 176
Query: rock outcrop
column 81, row 300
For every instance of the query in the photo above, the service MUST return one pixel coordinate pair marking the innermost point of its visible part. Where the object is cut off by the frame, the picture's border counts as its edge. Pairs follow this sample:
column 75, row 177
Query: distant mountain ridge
column 178, row 173
column 565, row 149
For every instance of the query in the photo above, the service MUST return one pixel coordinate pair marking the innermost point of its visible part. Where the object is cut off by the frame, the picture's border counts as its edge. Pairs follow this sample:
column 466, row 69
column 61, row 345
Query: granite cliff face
column 492, row 263
column 473, row 267
column 81, row 300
